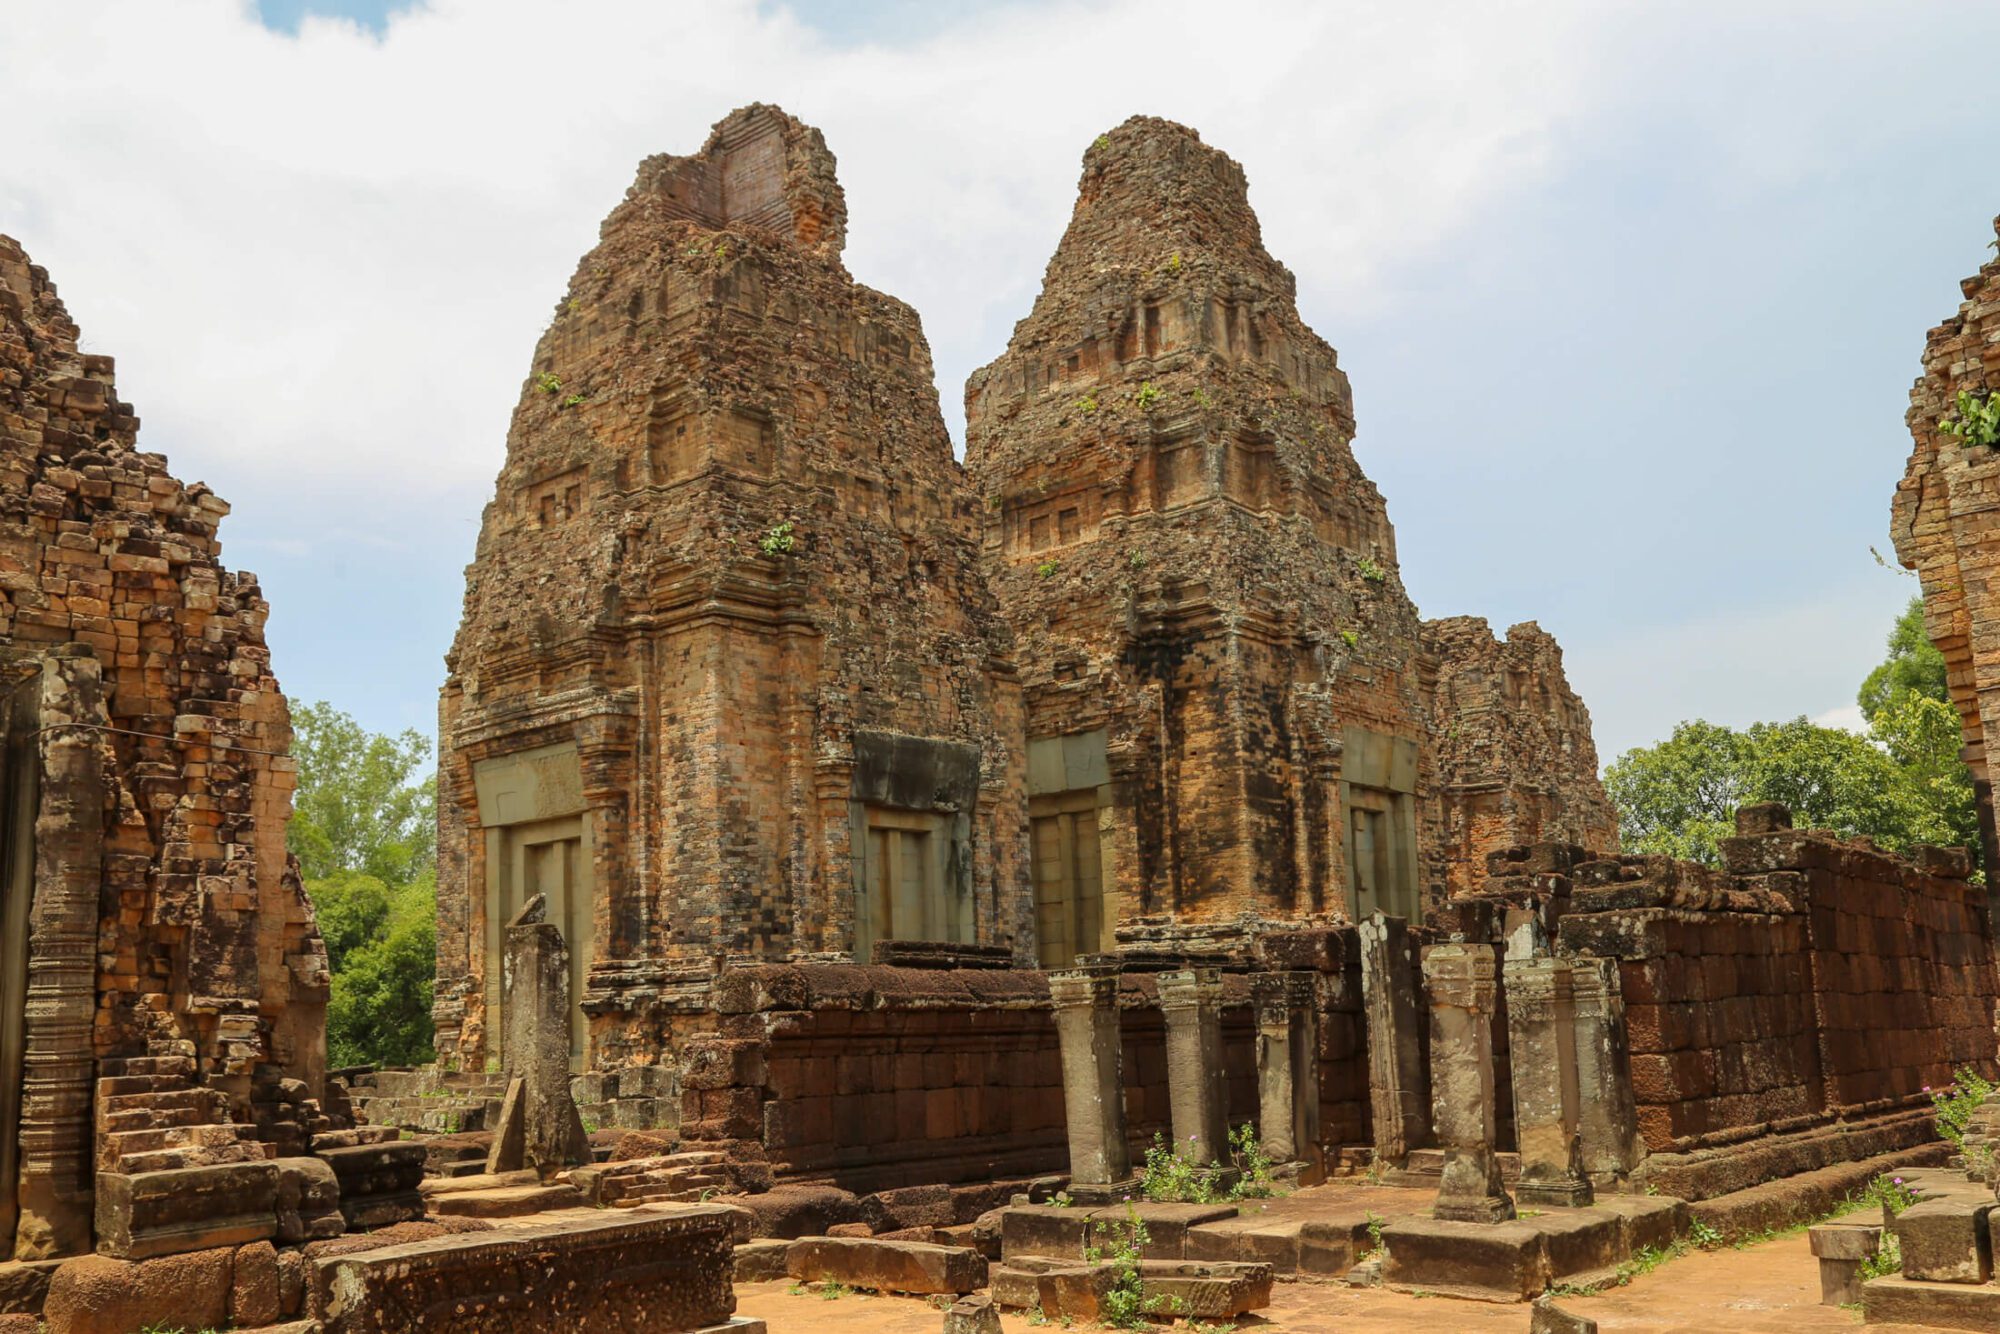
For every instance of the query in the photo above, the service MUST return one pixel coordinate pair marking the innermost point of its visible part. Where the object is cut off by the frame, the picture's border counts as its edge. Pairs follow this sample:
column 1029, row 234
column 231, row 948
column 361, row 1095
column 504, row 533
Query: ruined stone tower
column 151, row 923
column 1945, row 525
column 1219, row 658
column 729, row 681
column 1230, row 705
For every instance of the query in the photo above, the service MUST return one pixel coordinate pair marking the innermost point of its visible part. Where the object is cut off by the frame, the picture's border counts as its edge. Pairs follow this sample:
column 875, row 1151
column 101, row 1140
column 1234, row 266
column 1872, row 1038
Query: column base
column 1098, row 1194
column 1490, row 1209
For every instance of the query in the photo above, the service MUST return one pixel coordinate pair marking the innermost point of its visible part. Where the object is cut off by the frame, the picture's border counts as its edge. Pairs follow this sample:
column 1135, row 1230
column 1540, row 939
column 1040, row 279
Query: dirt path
column 1767, row 1289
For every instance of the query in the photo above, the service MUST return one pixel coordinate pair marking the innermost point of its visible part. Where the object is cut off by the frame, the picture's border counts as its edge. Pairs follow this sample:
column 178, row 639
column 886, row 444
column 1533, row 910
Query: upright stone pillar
column 539, row 1108
column 1086, row 1010
column 1464, row 983
column 1287, row 1064
column 1607, row 1118
column 1541, row 1040
column 1398, row 1089
column 1197, row 1093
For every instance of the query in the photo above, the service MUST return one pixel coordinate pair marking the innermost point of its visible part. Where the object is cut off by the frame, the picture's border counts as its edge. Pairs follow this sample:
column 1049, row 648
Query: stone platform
column 1518, row 1260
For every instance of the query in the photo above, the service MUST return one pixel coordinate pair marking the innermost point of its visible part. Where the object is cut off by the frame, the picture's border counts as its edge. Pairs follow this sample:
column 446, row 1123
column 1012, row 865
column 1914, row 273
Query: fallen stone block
column 24, row 1285
column 1045, row 1230
column 1074, row 1290
column 972, row 1315
column 657, row 1272
column 146, row 1214
column 1494, row 1262
column 96, row 1294
column 307, row 1201
column 886, row 1266
column 760, row 1261
column 1945, row 1240
column 1548, row 1318
column 507, row 1201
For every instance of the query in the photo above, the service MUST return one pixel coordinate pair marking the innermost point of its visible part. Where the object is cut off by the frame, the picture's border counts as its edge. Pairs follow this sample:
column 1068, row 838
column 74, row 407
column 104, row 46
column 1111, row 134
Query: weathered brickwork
column 1945, row 527
column 152, row 919
column 1212, row 630
column 729, row 681
column 1516, row 763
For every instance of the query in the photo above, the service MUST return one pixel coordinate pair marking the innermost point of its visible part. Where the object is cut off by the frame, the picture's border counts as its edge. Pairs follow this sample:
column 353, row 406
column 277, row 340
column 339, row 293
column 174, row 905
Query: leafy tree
column 1903, row 783
column 364, row 831
column 366, row 800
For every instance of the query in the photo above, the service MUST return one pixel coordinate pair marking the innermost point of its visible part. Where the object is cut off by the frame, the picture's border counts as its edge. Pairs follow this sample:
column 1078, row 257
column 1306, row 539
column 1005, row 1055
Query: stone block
column 760, row 1261
column 664, row 1272
column 1167, row 1225
column 1504, row 1262
column 24, row 1285
column 96, row 1294
column 887, row 1266
column 1548, row 1318
column 1945, row 1240
column 1044, row 1229
column 1582, row 1244
column 1845, row 1241
column 1649, row 1220
column 185, row 1209
column 254, row 1297
column 972, row 1315
column 307, row 1202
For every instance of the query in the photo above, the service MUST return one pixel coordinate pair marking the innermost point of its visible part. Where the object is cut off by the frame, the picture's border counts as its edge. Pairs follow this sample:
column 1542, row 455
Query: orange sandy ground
column 1768, row 1289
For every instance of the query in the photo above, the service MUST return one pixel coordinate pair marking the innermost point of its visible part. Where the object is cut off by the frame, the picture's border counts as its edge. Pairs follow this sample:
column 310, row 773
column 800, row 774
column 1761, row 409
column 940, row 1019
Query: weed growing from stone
column 1887, row 1260
column 1170, row 1177
column 1976, row 421
column 548, row 383
column 1149, row 394
column 1124, row 1306
column 1047, row 569
column 833, row 1292
column 1087, row 404
column 1889, row 1192
column 1253, row 1165
column 1955, row 1105
column 1370, row 569
column 778, row 542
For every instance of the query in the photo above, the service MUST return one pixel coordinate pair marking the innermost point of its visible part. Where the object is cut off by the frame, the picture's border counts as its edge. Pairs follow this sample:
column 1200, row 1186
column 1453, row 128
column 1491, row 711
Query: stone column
column 537, row 1016
column 1086, row 1010
column 1541, row 1041
column 1607, row 1119
column 1464, row 983
column 1287, row 1064
column 1197, row 1093
column 1398, row 1089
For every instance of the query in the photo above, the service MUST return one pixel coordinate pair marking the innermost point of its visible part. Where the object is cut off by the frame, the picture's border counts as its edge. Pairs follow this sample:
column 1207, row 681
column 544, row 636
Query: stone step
column 142, row 1119
column 207, row 1134
column 112, row 1086
column 162, row 1160
column 179, row 1067
column 209, row 1102
column 506, row 1201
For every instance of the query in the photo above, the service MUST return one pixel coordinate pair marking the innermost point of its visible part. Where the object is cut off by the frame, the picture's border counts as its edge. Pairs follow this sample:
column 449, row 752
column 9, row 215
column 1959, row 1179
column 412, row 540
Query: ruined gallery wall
column 1944, row 527
column 730, row 561
column 1809, row 980
column 1515, row 760
column 149, row 733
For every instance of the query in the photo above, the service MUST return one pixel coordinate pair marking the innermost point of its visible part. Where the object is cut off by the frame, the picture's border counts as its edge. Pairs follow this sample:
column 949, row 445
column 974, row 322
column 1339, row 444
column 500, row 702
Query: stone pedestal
column 1464, row 983
column 537, row 1015
column 1086, row 1010
column 1197, row 1094
column 1398, row 1087
column 1607, row 1119
column 1287, row 1064
column 1541, row 1038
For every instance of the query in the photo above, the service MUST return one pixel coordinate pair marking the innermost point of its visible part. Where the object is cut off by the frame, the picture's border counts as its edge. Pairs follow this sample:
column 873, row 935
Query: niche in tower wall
column 537, row 841
column 1378, row 823
column 911, row 815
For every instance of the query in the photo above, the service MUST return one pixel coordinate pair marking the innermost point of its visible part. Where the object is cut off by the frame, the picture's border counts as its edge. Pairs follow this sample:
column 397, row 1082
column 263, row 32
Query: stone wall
column 728, row 667
column 1944, row 521
column 148, row 789
column 1515, row 759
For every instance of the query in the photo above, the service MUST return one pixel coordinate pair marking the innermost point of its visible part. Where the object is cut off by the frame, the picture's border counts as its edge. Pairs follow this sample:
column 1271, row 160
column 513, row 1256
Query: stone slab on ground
column 759, row 1261
column 1789, row 1201
column 1324, row 1247
column 886, row 1266
column 506, row 1201
column 1063, row 1233
column 1655, row 1221
column 1073, row 1290
column 653, row 1271
column 1904, row 1301
column 1491, row 1262
column 1548, row 1318
column 145, row 1214
column 1584, row 1246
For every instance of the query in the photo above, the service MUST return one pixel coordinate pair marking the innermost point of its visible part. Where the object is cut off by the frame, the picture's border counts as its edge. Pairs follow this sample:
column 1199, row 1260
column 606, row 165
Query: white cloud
column 1847, row 717
column 325, row 259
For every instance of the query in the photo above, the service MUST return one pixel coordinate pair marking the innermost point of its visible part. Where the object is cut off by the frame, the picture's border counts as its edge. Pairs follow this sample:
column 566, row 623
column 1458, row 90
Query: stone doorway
column 903, row 877
column 1069, row 878
column 17, row 885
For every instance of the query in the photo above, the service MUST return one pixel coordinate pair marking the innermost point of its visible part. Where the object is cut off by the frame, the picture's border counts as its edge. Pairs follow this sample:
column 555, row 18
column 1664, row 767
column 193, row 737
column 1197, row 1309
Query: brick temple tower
column 1220, row 663
column 729, row 680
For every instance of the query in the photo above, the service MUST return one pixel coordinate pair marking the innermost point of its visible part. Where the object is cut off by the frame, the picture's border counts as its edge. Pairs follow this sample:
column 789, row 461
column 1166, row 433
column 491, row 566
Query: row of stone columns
column 1574, row 1118
column 1087, row 1016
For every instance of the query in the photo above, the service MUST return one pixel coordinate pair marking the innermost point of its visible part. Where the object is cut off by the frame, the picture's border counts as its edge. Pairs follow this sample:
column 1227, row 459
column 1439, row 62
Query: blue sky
column 1631, row 297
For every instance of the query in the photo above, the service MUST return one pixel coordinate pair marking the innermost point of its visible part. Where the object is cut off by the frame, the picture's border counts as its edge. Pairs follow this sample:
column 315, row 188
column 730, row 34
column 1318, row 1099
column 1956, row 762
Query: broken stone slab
column 510, row 1131
column 886, row 1266
column 145, row 1214
column 1489, row 1262
column 1842, row 1248
column 657, row 1272
column 1548, row 1318
column 507, row 1201
column 1584, row 1246
column 972, row 1315
column 1902, row 1301
column 1945, row 1240
column 24, row 1285
column 1323, row 1247
column 1649, row 1220
column 308, row 1201
column 760, row 1260
column 1075, row 1290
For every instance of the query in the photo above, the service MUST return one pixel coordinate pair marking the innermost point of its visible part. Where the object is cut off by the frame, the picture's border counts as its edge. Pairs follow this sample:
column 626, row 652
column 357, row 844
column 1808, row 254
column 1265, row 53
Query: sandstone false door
column 903, row 875
column 1378, row 824
column 1069, row 881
